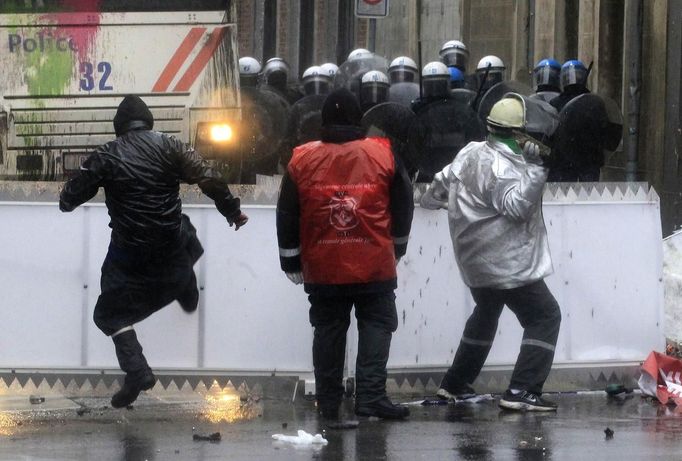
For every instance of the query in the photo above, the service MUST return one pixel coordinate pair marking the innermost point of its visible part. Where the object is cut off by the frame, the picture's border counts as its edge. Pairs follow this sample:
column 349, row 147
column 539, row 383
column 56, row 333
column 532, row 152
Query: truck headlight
column 220, row 132
column 215, row 133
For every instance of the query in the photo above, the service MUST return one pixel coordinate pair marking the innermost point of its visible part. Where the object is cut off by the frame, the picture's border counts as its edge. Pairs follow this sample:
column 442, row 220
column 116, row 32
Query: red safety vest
column 345, row 222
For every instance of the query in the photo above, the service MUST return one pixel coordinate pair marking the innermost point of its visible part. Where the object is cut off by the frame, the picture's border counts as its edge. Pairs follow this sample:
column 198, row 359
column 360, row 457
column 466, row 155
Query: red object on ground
column 662, row 378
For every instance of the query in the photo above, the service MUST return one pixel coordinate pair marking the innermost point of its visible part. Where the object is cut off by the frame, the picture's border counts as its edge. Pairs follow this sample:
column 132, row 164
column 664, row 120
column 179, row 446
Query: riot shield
column 305, row 122
column 463, row 95
column 439, row 131
column 403, row 93
column 542, row 119
column 497, row 92
column 393, row 121
column 546, row 96
column 350, row 72
column 588, row 125
column 265, row 115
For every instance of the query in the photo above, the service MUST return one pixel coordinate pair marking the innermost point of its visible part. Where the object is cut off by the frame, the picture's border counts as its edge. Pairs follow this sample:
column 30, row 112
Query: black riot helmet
column 546, row 75
column 454, row 53
column 436, row 80
column 276, row 73
column 316, row 81
column 373, row 89
column 402, row 69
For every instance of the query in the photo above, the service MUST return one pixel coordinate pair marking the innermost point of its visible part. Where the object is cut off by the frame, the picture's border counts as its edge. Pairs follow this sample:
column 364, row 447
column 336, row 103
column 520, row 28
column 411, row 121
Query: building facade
column 634, row 46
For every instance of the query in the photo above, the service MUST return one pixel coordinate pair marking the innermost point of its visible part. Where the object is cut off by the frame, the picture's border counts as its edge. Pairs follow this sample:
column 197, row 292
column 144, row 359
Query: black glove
column 240, row 220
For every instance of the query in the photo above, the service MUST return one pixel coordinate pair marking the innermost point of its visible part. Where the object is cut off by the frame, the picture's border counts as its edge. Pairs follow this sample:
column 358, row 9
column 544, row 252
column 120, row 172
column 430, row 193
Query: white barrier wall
column 605, row 242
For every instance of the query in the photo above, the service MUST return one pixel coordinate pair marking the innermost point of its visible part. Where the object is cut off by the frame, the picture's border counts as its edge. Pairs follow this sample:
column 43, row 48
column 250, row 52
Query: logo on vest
column 342, row 214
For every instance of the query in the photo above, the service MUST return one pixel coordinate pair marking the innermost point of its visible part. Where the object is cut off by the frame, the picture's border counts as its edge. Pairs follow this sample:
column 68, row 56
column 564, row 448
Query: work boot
column 133, row 384
column 139, row 376
column 382, row 408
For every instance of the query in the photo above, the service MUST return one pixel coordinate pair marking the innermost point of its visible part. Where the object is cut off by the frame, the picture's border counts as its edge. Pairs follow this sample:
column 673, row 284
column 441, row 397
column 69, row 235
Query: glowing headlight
column 220, row 132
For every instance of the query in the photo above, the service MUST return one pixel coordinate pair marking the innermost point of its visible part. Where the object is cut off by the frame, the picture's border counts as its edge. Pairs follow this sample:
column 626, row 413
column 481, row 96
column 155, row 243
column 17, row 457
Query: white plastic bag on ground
column 303, row 438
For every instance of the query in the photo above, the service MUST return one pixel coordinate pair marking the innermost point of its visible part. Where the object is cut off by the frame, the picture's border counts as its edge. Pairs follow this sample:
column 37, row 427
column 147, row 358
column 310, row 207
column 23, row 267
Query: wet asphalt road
column 163, row 429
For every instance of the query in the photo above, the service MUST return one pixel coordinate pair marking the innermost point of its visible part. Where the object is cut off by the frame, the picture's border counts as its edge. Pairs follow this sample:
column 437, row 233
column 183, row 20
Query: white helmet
column 315, row 81
column 403, row 69
column 494, row 62
column 275, row 64
column 373, row 89
column 490, row 71
column 359, row 53
column 374, row 76
column 403, row 61
column 329, row 69
column 456, row 44
column 435, row 80
column 312, row 71
column 249, row 66
column 435, row 69
column 454, row 53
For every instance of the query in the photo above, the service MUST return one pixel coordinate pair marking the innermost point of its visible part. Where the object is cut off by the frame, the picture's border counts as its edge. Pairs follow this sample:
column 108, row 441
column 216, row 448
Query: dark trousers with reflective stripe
column 377, row 320
column 539, row 315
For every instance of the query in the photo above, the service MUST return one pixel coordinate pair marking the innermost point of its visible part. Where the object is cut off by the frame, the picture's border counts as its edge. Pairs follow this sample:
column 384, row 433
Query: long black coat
column 153, row 245
column 141, row 172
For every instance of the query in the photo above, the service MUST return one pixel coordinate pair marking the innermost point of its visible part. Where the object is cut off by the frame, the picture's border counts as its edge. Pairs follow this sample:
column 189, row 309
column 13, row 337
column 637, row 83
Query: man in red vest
column 343, row 219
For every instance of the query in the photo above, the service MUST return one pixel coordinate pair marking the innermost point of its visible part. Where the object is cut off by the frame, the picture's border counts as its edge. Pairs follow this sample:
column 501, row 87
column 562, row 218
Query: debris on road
column 303, row 438
column 215, row 437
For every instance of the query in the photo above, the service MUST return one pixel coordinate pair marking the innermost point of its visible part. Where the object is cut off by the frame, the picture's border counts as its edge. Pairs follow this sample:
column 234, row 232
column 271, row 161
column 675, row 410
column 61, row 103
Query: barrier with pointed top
column 252, row 324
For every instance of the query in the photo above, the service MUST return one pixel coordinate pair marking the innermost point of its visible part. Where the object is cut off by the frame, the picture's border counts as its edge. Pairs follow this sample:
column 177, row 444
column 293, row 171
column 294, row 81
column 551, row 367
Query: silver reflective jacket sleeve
column 518, row 198
column 436, row 196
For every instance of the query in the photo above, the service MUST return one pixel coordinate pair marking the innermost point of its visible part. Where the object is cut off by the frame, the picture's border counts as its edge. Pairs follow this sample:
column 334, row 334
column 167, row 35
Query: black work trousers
column 539, row 315
column 377, row 320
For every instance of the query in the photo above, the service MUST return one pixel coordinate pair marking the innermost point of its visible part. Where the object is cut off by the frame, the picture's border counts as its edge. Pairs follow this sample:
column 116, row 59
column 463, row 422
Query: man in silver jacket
column 493, row 193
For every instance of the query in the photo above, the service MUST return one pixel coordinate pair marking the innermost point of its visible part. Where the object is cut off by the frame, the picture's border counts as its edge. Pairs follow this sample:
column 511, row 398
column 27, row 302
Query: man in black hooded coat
column 153, row 245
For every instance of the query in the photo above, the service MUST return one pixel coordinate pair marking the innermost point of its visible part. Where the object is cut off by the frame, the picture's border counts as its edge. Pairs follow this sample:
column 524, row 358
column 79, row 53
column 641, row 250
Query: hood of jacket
column 132, row 114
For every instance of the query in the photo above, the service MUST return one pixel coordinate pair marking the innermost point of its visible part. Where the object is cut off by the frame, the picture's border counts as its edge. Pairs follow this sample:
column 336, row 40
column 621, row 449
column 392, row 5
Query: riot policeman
column 373, row 90
column 490, row 71
column 305, row 116
column 403, row 74
column 454, row 53
column 589, row 125
column 249, row 70
column 330, row 69
column 435, row 85
column 573, row 78
column 359, row 62
column 547, row 76
column 402, row 69
column 316, row 81
column 276, row 74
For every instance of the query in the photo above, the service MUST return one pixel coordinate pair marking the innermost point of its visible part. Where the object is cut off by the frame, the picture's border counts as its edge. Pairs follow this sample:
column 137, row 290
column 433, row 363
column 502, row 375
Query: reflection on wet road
column 157, row 429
